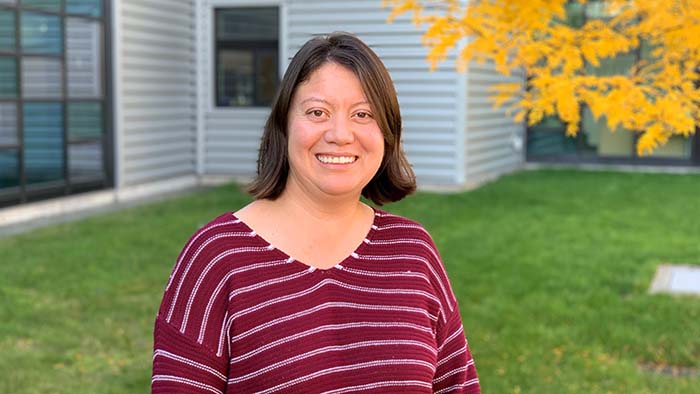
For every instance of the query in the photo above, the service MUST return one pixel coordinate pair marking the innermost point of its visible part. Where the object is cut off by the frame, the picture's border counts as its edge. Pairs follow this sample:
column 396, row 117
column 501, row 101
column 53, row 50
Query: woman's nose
column 340, row 132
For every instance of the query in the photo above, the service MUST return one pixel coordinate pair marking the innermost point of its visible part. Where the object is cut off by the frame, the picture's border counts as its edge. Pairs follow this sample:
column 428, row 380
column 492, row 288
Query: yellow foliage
column 657, row 98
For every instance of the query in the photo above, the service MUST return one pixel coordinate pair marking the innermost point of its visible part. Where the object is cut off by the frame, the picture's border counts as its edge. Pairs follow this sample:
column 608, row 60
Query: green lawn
column 551, row 269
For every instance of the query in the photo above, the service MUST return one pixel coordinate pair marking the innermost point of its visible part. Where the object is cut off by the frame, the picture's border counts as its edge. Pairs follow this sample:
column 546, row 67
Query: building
column 126, row 98
column 134, row 97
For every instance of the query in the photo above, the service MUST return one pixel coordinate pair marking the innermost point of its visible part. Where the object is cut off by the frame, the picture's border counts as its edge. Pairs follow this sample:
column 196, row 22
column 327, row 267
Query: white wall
column 154, row 90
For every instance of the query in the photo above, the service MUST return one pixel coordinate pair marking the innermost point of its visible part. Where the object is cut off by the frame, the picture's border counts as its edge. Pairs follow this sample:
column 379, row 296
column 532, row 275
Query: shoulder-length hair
column 394, row 179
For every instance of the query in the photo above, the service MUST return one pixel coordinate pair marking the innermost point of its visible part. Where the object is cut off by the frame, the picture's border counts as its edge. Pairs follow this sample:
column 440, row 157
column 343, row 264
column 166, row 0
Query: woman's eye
column 364, row 115
column 316, row 113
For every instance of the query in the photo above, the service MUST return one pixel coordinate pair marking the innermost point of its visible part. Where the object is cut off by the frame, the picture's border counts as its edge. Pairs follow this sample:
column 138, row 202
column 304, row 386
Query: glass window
column 8, row 77
column 8, row 124
column 41, row 77
column 7, row 30
column 9, row 168
column 49, row 5
column 85, row 161
column 84, row 121
column 83, row 58
column 41, row 33
column 246, row 56
column 43, row 142
column 596, row 139
column 84, row 7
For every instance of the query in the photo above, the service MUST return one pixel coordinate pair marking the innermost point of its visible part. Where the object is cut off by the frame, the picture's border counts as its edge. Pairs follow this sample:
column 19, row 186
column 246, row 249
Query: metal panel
column 157, row 89
column 493, row 142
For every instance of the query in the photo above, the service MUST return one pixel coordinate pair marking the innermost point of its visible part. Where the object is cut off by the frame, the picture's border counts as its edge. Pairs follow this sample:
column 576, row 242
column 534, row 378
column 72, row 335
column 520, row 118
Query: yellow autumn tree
column 658, row 97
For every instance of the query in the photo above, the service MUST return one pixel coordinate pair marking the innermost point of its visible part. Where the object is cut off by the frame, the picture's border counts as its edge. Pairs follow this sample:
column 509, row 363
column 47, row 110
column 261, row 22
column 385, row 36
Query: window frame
column 27, row 192
column 257, row 46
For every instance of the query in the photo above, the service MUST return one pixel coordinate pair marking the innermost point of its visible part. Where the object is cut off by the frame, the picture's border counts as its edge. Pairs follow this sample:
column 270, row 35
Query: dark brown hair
column 394, row 179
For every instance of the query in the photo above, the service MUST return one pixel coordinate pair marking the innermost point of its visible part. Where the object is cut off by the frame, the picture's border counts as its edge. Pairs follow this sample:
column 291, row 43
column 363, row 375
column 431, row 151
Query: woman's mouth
column 327, row 159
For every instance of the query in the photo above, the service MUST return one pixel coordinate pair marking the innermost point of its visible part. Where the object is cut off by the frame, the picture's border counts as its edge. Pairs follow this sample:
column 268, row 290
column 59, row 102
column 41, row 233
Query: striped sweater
column 240, row 316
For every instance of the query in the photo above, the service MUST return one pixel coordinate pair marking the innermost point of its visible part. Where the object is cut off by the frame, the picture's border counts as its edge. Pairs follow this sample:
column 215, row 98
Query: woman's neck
column 327, row 209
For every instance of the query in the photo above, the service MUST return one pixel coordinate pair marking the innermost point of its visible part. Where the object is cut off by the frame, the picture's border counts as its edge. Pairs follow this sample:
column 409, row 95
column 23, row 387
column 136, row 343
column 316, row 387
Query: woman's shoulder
column 396, row 225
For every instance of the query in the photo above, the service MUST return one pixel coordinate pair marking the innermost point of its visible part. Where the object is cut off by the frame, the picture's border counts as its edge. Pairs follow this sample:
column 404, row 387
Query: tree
column 658, row 97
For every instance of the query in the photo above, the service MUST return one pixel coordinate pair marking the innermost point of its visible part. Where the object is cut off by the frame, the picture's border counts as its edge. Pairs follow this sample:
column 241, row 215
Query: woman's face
column 335, row 145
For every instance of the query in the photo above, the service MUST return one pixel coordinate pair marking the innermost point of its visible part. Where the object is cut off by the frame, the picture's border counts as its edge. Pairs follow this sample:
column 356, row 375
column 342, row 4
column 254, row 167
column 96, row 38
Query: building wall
column 230, row 137
column 155, row 112
column 493, row 143
column 427, row 99
column 451, row 134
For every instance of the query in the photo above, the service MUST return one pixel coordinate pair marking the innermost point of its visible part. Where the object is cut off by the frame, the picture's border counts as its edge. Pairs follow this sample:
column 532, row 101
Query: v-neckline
column 355, row 254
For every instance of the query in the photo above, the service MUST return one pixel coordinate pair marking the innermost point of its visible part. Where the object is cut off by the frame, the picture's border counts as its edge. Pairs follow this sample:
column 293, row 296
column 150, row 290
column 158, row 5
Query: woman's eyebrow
column 316, row 99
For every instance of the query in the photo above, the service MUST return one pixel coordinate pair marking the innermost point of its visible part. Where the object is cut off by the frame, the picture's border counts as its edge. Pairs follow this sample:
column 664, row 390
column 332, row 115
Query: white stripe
column 328, row 327
column 329, row 281
column 454, row 335
column 192, row 363
column 327, row 349
column 194, row 257
column 325, row 306
column 398, row 225
column 190, row 243
column 453, row 355
column 458, row 386
column 169, row 378
column 350, row 367
column 204, row 273
column 389, row 383
column 222, row 283
column 266, row 283
column 454, row 372
column 222, row 337
column 380, row 274
column 414, row 241
column 448, row 299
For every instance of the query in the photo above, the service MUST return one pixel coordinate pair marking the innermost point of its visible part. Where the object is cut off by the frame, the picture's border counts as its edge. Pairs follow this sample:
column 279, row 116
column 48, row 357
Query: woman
column 278, row 296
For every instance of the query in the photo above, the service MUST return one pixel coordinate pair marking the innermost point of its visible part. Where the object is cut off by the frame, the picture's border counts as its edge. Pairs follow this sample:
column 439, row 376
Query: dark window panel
column 236, row 78
column 42, row 77
column 9, row 168
column 266, row 66
column 246, row 56
column 43, row 142
column 8, row 77
column 247, row 24
column 85, row 161
column 84, row 7
column 7, row 30
column 83, row 58
column 8, row 124
column 48, row 5
column 41, row 33
column 84, row 120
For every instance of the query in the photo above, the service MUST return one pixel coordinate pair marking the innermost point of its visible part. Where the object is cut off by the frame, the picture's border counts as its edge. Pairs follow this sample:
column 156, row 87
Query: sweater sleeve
column 181, row 365
column 189, row 339
column 455, row 372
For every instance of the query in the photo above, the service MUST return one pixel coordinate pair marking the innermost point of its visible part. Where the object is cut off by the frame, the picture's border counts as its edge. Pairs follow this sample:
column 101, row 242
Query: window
column 247, row 56
column 53, row 135
column 596, row 142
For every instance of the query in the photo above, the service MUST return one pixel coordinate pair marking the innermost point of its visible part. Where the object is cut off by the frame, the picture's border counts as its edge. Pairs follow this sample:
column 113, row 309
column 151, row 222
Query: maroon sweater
column 240, row 316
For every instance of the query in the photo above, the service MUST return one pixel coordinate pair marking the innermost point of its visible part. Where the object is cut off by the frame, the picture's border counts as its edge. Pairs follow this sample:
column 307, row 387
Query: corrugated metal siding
column 157, row 89
column 427, row 99
column 493, row 142
column 232, row 135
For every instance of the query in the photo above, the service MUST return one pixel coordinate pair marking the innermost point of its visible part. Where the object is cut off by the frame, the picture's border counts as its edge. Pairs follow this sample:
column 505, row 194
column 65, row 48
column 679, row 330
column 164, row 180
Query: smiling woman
column 307, row 283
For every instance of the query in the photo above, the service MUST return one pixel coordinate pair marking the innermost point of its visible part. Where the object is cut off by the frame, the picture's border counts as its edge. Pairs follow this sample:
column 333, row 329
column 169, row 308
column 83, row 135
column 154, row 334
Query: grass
column 551, row 269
